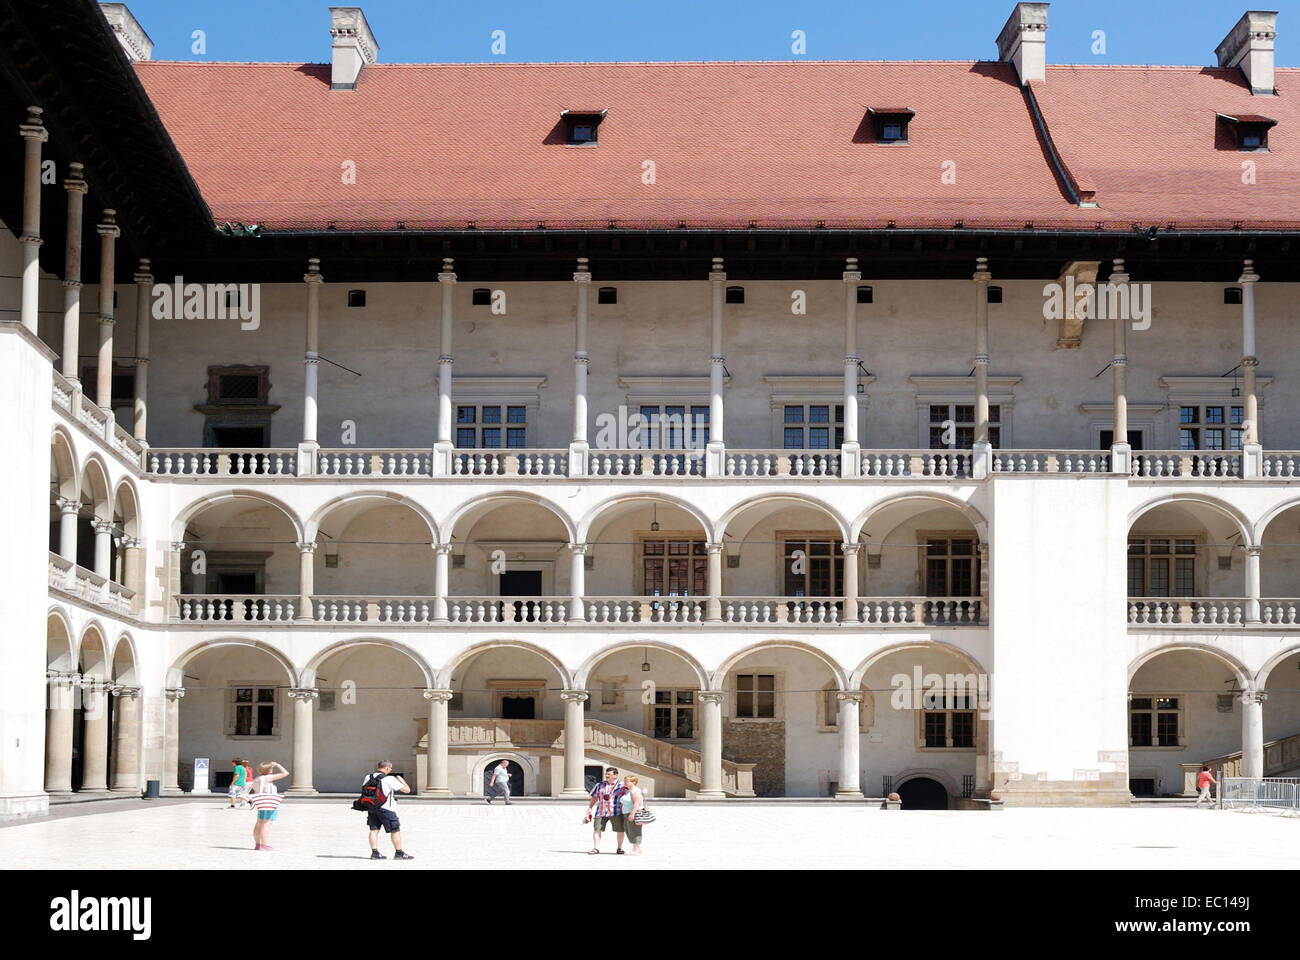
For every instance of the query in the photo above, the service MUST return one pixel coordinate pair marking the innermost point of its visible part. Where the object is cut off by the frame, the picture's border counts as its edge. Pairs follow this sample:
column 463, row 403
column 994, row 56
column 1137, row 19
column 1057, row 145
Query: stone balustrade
column 1185, row 464
column 88, row 585
column 269, row 463
column 1051, row 461
column 374, row 463
column 209, row 608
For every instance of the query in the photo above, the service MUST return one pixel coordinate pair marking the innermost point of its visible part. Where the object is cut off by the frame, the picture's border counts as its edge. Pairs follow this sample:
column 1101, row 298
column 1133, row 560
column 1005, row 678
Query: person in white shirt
column 500, row 781
column 385, row 815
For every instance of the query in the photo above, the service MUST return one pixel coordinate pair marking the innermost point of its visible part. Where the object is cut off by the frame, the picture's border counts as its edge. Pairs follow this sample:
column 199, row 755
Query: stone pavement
column 326, row 834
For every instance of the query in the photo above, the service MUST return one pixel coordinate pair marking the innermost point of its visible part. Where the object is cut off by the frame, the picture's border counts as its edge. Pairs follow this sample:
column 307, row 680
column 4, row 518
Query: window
column 813, row 426
column 580, row 126
column 951, row 567
column 828, row 720
column 1249, row 130
column 356, row 298
column 674, row 714
column 481, row 297
column 864, row 295
column 1162, row 566
column 665, row 427
column 1154, row 721
column 254, row 711
column 821, row 567
column 674, row 567
column 735, row 294
column 947, row 723
column 995, row 294
column 482, row 427
column 610, row 695
column 1232, row 295
column 960, row 433
column 890, row 123
column 755, row 696
column 1203, row 427
column 607, row 295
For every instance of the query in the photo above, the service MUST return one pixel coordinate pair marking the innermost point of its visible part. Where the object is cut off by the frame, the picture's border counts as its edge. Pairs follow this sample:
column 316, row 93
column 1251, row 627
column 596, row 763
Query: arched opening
column 1282, row 715
column 1279, row 567
column 61, row 674
column 126, row 704
column 127, row 563
column 922, row 793
column 1186, row 563
column 367, row 548
column 91, row 726
column 516, row 771
column 1184, row 710
column 94, row 533
column 65, row 488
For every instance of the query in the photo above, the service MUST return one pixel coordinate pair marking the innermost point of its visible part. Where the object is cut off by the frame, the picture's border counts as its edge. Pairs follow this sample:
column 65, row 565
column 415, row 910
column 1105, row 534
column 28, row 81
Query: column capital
column 1250, row 361
column 108, row 226
column 445, row 358
column 851, row 272
column 311, row 357
column 303, row 693
column 715, row 547
column 447, row 274
column 123, row 690
column 442, row 549
column 981, row 274
column 305, row 546
column 580, row 549
column 313, row 274
column 174, row 693
column 68, row 505
column 102, row 526
column 710, row 696
column 57, row 678
column 583, row 273
column 72, row 284
column 1248, row 274
column 569, row 696
column 982, row 358
column 30, row 240
column 73, row 182
column 132, row 543
column 717, row 273
column 854, row 696
column 1253, row 696
column 143, row 272
column 440, row 695
column 178, row 546
column 93, row 684
column 34, row 127
column 1253, row 549
column 853, row 547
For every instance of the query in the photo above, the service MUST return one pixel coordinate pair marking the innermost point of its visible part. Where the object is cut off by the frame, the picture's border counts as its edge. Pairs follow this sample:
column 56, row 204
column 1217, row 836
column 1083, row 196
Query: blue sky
column 1162, row 31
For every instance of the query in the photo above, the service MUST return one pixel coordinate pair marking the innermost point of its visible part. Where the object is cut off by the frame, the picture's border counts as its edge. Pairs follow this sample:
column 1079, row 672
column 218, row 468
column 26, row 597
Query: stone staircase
column 1281, row 759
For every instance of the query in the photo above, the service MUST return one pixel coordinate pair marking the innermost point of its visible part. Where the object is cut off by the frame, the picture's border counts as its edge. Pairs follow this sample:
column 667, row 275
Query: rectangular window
column 813, row 426
column 479, row 426
column 254, row 711
column 675, row 567
column 813, row 567
column 674, row 714
column 1211, row 427
column 951, row 723
column 951, row 567
column 952, row 426
column 1154, row 721
column 756, row 695
column 1162, row 566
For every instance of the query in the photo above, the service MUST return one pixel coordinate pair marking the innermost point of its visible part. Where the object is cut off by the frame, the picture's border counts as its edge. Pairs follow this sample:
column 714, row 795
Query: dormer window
column 1249, row 129
column 580, row 126
column 890, row 123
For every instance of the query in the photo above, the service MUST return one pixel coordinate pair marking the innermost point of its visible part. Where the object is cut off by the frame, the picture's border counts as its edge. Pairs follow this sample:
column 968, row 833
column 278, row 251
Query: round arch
column 935, row 497
column 529, row 765
column 597, row 514
column 444, row 675
column 126, row 504
column 859, row 674
column 1261, row 675
column 95, row 485
column 720, row 674
column 1227, row 659
column 60, row 644
column 1221, row 507
column 204, row 503
column 176, row 673
column 93, row 636
column 812, row 503
column 583, row 674
column 477, row 506
column 380, row 498
column 63, row 464
column 1261, row 525
column 131, row 673
column 941, row 777
column 308, row 674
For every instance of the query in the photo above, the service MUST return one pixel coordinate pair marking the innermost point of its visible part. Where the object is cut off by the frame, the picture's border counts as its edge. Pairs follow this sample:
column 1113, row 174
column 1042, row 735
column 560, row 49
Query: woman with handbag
column 638, row 814
column 266, row 801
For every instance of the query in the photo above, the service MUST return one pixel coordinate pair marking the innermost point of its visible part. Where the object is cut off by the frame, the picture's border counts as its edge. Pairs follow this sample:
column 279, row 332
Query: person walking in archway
column 499, row 783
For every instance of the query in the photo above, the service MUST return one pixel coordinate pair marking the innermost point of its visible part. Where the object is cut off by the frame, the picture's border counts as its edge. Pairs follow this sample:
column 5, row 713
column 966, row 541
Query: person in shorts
column 237, row 784
column 633, row 801
column 605, row 810
column 385, row 816
column 266, row 801
column 1204, row 780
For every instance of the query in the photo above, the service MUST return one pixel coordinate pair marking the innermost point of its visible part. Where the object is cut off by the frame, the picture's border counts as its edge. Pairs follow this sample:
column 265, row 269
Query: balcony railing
column 69, row 398
column 1217, row 611
column 204, row 462
column 203, row 608
column 1211, row 464
column 1051, row 461
column 88, row 585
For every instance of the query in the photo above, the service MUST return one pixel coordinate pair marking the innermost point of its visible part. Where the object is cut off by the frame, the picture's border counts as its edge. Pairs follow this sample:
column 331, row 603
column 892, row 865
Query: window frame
column 643, row 537
column 232, row 710
column 1180, row 712
column 828, row 720
column 505, row 426
column 947, row 711
column 778, row 700
column 935, row 390
column 674, row 707
column 923, row 538
column 785, row 537
column 1200, row 569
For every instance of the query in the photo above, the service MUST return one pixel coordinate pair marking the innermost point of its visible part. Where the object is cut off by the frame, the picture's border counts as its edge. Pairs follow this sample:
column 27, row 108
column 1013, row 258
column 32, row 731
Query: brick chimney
column 1023, row 41
column 128, row 31
column 354, row 46
column 1249, row 46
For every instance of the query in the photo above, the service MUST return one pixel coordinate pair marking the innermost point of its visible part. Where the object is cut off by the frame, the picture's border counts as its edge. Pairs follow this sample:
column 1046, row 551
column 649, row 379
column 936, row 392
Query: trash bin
column 151, row 791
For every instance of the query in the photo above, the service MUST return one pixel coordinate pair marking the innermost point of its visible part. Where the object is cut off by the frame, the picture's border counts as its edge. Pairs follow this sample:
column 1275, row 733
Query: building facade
column 763, row 442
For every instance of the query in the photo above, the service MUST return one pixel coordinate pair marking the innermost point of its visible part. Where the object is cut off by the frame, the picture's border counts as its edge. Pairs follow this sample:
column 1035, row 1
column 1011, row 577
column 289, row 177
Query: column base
column 301, row 792
column 442, row 454
column 981, row 461
column 850, row 460
column 1121, row 459
column 578, row 454
column 441, row 794
column 17, row 806
column 1252, row 460
column 307, row 458
column 849, row 795
column 573, row 792
column 710, row 795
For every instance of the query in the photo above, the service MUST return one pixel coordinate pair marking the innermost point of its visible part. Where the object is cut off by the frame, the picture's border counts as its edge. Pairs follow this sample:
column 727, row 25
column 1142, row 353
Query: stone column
column 443, row 447
column 1252, row 450
column 850, row 787
column 306, row 580
column 58, row 732
column 76, row 188
column 126, row 740
column 108, row 234
column 68, row 509
column 575, row 742
column 1252, row 733
column 713, row 608
column 441, row 551
column 94, row 741
column 851, row 551
column 982, row 454
column 579, row 448
column 1121, row 451
column 133, row 570
column 436, row 782
column 103, row 547
column 1252, row 582
column 716, row 451
column 172, row 740
column 577, row 581
column 710, row 745
column 34, row 134
column 301, row 776
column 850, row 450
column 309, row 446
column 143, row 314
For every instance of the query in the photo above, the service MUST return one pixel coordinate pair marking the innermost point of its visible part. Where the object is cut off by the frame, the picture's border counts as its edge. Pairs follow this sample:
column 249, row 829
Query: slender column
column 103, row 547
column 306, row 580
column 713, row 609
column 441, row 551
column 132, row 571
column 126, row 740
column 1252, row 733
column 58, row 732
column 1121, row 451
column 575, row 736
column 443, row 447
column 982, row 453
column 436, row 783
column 94, row 741
column 710, row 745
column 715, row 454
column 68, row 509
column 300, row 776
column 34, row 134
column 143, row 294
column 1252, row 452
column 850, row 787
column 577, row 580
column 851, row 552
column 172, row 739
column 850, row 450
column 108, row 234
column 76, row 188
column 579, row 447
column 311, row 371
column 1252, row 583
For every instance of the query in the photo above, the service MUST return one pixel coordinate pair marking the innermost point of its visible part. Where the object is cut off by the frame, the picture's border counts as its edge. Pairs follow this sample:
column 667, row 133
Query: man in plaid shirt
column 606, row 798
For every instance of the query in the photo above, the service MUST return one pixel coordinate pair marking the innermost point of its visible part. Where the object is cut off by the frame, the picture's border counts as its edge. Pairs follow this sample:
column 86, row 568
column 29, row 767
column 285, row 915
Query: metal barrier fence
column 1261, row 793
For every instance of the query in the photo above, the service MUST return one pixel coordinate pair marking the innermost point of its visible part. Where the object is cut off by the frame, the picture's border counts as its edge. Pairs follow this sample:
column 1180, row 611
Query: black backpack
column 372, row 794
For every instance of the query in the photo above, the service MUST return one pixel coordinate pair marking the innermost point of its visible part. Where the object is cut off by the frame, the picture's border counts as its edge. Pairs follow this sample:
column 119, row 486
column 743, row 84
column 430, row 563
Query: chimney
column 1023, row 41
column 128, row 31
column 354, row 46
column 1249, row 45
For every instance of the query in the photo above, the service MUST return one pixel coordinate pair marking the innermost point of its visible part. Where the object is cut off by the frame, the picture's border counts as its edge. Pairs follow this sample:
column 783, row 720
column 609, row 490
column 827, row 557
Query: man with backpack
column 379, row 799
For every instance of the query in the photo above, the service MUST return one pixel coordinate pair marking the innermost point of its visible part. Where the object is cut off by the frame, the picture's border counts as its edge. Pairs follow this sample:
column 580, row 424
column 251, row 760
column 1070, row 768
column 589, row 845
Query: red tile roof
column 771, row 144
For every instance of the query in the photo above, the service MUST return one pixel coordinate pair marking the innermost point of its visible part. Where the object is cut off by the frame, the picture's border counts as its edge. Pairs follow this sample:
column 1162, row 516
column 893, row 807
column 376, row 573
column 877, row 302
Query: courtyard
column 324, row 834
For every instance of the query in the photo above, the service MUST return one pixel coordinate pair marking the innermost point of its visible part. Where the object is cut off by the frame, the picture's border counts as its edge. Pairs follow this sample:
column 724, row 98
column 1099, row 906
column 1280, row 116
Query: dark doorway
column 592, row 774
column 1108, row 438
column 238, row 583
column 516, row 777
column 1142, row 786
column 518, row 708
column 922, row 793
column 521, row 583
column 240, row 438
